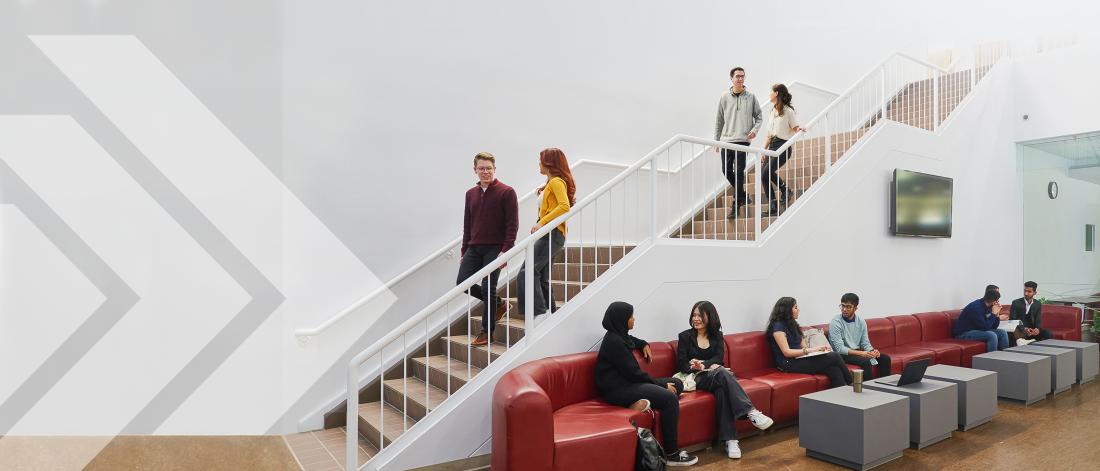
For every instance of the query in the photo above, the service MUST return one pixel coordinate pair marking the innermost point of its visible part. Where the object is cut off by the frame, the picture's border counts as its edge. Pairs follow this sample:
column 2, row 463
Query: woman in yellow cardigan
column 557, row 196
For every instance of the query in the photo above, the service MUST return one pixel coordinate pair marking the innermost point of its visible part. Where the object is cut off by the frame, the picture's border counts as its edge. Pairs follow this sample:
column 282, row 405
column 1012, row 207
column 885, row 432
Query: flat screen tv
column 920, row 204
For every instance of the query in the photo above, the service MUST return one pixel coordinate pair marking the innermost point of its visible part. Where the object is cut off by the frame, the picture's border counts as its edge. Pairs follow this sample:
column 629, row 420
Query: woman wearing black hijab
column 622, row 382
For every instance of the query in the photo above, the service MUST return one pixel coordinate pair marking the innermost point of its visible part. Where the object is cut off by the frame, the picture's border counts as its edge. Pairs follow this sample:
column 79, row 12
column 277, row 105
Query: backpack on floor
column 649, row 456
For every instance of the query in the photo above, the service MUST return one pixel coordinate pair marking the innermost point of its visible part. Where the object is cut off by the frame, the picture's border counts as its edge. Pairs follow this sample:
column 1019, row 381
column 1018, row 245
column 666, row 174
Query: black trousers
column 731, row 402
column 829, row 364
column 555, row 240
column 661, row 400
column 1019, row 334
column 771, row 166
column 865, row 365
column 476, row 258
column 733, row 167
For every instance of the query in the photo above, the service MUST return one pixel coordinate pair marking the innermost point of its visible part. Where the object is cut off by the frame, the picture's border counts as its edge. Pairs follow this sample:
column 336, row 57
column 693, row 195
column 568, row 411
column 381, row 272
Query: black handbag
column 649, row 456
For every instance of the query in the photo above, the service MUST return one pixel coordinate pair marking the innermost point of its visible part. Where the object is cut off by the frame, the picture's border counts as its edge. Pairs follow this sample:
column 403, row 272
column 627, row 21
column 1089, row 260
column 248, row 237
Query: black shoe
column 734, row 211
column 681, row 458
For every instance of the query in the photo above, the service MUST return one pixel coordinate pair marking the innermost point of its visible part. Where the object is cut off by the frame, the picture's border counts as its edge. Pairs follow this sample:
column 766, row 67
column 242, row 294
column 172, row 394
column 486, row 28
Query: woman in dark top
column 788, row 346
column 701, row 350
column 622, row 382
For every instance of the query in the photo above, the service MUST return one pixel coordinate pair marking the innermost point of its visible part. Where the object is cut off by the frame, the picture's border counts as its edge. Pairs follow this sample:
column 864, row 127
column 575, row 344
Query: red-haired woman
column 557, row 196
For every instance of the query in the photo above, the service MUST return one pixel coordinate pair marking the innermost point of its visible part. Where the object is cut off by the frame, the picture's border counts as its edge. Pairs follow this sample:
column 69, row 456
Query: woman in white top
column 781, row 128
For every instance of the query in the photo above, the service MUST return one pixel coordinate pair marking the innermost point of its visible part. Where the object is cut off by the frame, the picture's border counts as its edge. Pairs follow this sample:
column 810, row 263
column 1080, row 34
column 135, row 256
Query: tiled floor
column 323, row 450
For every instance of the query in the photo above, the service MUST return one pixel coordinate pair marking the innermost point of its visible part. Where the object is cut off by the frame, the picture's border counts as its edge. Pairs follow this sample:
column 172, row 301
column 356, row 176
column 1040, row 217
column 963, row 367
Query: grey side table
column 1087, row 356
column 1063, row 367
column 854, row 430
column 977, row 392
column 1020, row 377
column 933, row 408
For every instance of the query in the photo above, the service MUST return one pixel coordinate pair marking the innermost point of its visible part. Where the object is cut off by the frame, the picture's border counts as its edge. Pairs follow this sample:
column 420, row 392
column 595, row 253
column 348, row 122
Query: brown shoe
column 502, row 308
column 482, row 339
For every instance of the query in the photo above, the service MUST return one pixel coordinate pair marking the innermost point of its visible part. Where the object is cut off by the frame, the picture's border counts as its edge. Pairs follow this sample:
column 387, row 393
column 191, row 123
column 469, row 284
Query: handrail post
column 756, row 199
column 529, row 290
column 935, row 99
column 352, row 416
column 653, row 199
column 828, row 137
column 882, row 84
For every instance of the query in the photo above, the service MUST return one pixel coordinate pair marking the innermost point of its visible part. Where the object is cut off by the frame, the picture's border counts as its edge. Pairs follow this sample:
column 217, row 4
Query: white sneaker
column 733, row 450
column 759, row 420
column 1022, row 342
column 641, row 405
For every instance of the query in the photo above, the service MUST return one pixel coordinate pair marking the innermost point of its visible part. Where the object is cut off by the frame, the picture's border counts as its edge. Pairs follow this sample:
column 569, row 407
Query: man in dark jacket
column 488, row 230
column 979, row 321
column 1029, row 311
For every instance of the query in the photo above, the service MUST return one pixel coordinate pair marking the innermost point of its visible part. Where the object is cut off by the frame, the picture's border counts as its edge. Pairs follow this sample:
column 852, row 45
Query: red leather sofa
column 1063, row 322
column 547, row 414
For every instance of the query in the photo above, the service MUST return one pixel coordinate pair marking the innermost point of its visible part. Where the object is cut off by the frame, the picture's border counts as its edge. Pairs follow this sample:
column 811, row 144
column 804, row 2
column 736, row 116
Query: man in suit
column 1029, row 312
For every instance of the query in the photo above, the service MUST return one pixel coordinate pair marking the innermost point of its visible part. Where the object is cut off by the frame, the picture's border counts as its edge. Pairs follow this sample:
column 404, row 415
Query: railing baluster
column 405, row 383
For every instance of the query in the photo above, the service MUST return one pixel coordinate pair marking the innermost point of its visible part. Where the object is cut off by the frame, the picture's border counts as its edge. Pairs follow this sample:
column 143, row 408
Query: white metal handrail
column 328, row 323
column 524, row 247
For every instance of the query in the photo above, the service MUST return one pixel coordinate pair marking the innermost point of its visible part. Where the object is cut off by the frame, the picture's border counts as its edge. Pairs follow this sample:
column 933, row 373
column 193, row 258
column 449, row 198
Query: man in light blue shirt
column 848, row 336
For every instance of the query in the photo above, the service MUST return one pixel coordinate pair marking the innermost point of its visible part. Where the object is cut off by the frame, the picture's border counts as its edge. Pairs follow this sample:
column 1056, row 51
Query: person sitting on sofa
column 1029, row 312
column 622, row 382
column 848, row 337
column 701, row 351
column 979, row 321
column 790, row 351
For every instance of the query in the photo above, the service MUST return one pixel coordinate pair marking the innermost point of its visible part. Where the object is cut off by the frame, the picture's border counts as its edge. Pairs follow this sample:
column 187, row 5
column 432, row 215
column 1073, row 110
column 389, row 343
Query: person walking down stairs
column 738, row 121
column 556, row 197
column 489, row 228
column 781, row 128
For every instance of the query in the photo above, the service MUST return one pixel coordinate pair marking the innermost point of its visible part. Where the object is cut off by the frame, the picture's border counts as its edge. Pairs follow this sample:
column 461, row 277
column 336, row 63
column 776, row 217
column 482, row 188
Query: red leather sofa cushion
column 1063, row 322
column 750, row 357
column 933, row 325
column 880, row 331
column 937, row 326
column 907, row 332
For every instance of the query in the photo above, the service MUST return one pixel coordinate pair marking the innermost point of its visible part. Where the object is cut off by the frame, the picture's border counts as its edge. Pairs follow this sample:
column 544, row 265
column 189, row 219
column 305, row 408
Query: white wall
column 836, row 242
column 1054, row 242
column 382, row 94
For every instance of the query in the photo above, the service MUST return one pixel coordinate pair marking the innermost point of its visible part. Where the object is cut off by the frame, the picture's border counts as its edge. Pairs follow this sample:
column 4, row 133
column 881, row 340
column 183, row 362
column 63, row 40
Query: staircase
column 449, row 360
column 440, row 359
column 914, row 105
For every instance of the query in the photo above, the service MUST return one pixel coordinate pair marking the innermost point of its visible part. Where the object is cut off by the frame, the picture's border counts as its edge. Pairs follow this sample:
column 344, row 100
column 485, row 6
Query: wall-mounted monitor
column 920, row 204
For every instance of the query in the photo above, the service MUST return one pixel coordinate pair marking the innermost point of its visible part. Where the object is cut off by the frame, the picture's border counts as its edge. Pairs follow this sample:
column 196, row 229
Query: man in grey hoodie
column 738, row 121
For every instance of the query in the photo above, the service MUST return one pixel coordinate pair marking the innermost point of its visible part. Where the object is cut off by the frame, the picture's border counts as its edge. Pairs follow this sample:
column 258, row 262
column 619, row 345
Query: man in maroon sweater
column 488, row 230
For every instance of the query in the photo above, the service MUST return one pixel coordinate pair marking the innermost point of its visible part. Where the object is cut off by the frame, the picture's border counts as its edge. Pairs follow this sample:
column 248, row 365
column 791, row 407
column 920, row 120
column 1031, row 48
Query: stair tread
column 557, row 302
column 413, row 389
column 504, row 321
column 393, row 419
column 458, row 369
column 495, row 348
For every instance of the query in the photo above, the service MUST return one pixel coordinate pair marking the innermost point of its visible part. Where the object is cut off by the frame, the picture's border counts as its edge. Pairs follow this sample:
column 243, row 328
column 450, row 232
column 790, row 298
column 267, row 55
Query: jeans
column 865, row 364
column 770, row 168
column 730, row 401
column 476, row 258
column 733, row 167
column 542, row 292
column 660, row 399
column 995, row 339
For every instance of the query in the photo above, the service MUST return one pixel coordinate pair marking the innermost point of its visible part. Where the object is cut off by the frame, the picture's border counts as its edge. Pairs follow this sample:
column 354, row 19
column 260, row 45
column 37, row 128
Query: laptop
column 913, row 373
